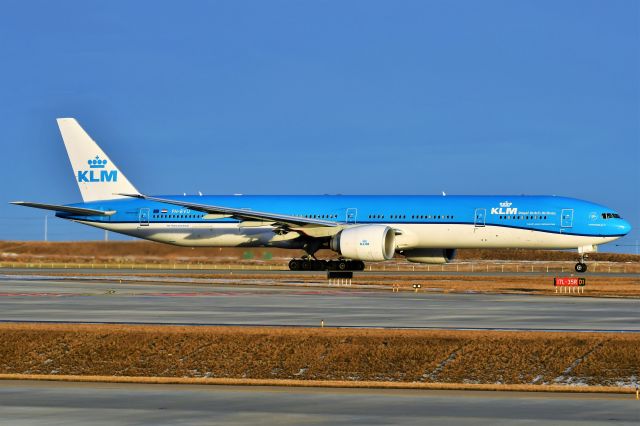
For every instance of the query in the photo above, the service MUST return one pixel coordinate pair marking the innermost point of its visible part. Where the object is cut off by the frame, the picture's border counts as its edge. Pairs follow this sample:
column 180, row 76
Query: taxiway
column 30, row 299
column 31, row 402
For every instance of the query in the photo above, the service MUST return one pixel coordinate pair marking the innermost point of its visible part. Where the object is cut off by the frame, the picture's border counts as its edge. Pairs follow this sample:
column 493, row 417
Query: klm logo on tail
column 97, row 172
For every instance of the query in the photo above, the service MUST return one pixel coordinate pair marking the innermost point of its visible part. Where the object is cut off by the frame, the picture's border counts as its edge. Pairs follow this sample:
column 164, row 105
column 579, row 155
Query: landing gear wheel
column 581, row 267
column 294, row 265
column 307, row 264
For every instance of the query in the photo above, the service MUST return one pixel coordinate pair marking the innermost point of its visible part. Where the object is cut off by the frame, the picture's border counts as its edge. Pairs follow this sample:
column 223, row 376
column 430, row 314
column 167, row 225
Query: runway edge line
column 320, row 383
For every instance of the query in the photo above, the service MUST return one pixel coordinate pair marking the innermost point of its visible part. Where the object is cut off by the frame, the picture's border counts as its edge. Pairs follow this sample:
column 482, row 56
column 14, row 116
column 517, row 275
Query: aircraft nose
column 624, row 227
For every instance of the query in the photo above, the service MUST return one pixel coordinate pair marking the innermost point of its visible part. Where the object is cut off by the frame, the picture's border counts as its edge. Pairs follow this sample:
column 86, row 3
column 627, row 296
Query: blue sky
column 301, row 97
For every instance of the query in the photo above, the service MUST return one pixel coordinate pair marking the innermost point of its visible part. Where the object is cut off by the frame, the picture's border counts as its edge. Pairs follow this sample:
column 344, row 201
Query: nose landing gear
column 581, row 266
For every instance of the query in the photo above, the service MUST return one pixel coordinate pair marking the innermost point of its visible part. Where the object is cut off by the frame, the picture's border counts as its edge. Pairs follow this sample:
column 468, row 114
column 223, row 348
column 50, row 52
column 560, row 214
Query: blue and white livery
column 426, row 229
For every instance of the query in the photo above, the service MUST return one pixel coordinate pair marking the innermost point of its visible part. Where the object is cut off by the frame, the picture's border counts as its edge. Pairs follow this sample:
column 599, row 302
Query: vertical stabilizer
column 97, row 176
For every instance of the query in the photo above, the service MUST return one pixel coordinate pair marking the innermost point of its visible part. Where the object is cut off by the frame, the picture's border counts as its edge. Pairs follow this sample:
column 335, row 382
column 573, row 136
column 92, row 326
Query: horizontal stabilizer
column 77, row 211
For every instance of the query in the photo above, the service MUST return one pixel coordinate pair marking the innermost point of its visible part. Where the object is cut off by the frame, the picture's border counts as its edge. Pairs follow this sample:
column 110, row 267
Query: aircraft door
column 566, row 218
column 480, row 217
column 144, row 217
column 352, row 215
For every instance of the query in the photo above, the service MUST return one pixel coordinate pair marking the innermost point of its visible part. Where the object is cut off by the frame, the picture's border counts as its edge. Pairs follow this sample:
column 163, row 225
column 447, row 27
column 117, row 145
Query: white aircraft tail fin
column 97, row 176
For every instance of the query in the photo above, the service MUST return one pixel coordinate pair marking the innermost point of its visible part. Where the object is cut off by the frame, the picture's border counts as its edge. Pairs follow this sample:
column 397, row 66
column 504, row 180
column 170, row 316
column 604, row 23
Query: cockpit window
column 610, row 216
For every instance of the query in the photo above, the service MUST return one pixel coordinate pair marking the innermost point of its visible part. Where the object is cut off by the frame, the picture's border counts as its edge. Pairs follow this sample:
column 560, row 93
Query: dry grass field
column 529, row 359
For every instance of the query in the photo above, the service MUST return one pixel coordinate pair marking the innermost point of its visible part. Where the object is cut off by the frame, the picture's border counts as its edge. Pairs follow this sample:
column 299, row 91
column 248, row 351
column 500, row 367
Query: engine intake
column 429, row 255
column 366, row 242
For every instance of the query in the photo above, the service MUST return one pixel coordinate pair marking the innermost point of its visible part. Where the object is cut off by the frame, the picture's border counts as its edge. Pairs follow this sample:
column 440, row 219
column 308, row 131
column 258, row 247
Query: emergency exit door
column 352, row 215
column 144, row 217
column 480, row 217
column 566, row 218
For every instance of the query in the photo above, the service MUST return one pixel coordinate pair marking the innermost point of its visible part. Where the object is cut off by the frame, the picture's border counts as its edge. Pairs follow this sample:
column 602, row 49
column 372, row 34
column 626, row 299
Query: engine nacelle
column 365, row 242
column 429, row 255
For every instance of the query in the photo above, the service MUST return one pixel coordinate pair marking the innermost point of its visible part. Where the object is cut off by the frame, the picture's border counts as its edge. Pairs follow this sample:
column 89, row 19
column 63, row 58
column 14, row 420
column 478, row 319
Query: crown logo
column 97, row 163
column 505, row 204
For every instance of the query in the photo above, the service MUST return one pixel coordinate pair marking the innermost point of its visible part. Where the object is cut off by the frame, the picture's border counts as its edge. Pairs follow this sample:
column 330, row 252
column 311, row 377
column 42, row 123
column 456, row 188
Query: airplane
column 358, row 228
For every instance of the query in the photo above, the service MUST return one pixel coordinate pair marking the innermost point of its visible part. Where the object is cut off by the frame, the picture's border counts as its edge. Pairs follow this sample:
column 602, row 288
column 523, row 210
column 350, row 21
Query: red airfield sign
column 569, row 282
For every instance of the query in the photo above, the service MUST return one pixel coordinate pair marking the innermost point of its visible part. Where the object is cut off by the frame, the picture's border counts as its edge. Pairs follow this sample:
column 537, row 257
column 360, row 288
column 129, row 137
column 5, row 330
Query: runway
column 434, row 272
column 107, row 301
column 29, row 402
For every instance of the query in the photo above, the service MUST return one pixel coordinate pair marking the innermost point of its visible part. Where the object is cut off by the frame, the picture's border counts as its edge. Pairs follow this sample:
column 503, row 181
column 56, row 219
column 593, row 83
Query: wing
column 76, row 211
column 245, row 214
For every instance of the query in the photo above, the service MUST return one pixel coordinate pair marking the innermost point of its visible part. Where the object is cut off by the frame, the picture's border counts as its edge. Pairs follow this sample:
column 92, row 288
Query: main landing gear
column 310, row 264
column 581, row 266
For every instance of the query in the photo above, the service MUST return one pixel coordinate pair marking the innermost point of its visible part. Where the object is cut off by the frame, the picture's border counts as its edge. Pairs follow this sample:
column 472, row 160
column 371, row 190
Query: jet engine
column 365, row 242
column 429, row 255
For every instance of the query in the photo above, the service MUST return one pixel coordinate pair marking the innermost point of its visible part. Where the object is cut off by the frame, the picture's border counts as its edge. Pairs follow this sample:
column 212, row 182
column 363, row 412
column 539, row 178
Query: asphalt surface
column 59, row 403
column 250, row 270
column 108, row 301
